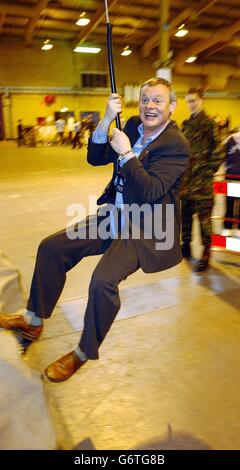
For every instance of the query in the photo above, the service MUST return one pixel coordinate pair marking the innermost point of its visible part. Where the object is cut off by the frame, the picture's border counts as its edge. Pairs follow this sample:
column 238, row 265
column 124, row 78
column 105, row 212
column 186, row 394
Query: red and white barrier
column 231, row 189
column 226, row 243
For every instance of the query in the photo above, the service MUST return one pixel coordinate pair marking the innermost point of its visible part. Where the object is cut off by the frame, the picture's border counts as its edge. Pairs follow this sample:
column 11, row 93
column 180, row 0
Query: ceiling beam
column 221, row 35
column 2, row 17
column 187, row 14
column 100, row 13
column 10, row 32
column 122, row 10
column 117, row 22
column 15, row 9
column 32, row 23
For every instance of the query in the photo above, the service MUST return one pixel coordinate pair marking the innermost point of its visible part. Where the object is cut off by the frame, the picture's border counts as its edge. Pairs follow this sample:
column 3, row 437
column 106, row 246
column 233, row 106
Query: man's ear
column 172, row 106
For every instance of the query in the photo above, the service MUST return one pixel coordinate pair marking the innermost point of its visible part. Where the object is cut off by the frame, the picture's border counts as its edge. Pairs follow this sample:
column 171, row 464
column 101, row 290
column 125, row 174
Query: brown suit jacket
column 153, row 179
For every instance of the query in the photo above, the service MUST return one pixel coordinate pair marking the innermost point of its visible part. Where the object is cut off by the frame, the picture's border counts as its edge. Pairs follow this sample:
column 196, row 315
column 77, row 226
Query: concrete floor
column 168, row 376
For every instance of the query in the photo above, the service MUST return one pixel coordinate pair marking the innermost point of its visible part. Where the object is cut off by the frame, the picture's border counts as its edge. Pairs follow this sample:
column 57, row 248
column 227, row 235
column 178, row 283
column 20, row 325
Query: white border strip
column 233, row 244
column 233, row 189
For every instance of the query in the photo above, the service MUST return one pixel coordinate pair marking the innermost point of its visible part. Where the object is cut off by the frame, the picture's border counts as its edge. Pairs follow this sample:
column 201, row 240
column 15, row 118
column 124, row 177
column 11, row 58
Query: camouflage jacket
column 201, row 133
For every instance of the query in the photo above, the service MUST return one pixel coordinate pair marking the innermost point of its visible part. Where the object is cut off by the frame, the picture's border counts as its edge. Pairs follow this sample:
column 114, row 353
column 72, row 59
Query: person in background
column 20, row 133
column 197, row 191
column 70, row 127
column 76, row 142
column 91, row 126
column 232, row 165
column 60, row 126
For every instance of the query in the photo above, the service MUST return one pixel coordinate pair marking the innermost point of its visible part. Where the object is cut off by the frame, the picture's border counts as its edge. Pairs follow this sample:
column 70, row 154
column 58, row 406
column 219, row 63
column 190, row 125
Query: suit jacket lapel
column 134, row 137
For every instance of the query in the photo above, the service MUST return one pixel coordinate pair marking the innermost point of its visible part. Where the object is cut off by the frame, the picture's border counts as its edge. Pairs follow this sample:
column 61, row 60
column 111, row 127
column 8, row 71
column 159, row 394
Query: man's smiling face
column 155, row 107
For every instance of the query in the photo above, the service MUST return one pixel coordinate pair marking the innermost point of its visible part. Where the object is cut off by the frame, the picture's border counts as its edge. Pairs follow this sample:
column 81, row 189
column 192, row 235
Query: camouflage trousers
column 203, row 209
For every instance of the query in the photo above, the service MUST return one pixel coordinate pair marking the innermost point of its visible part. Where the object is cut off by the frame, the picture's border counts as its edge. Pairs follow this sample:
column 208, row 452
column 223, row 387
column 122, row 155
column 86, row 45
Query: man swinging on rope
column 149, row 159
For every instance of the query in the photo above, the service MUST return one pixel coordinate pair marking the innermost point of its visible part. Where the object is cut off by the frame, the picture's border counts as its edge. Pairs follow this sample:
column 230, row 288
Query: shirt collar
column 153, row 136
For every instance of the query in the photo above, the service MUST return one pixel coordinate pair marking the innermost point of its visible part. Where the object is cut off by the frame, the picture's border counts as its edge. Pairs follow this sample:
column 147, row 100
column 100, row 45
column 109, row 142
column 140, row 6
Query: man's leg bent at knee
column 57, row 254
column 119, row 261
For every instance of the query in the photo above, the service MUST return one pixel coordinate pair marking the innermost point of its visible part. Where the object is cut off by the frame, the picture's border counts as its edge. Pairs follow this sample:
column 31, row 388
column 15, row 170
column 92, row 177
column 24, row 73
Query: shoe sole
column 24, row 334
column 44, row 376
column 23, row 343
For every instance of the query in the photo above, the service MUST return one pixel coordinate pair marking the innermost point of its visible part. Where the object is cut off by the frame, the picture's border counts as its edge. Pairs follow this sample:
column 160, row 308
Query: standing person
column 20, row 133
column 197, row 194
column 60, row 126
column 70, row 127
column 91, row 125
column 149, row 159
column 77, row 137
column 232, row 155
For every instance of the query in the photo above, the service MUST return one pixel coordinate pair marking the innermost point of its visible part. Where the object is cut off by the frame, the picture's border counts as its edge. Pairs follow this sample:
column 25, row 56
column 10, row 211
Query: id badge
column 119, row 188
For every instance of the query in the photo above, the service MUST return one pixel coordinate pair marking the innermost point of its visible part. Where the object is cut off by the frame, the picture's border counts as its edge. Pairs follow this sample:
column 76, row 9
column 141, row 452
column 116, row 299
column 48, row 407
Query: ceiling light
column 182, row 31
column 126, row 51
column 83, row 20
column 191, row 59
column 47, row 45
column 90, row 50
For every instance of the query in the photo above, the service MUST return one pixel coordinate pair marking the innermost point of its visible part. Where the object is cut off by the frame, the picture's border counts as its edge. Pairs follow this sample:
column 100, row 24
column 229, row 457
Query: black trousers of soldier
column 203, row 209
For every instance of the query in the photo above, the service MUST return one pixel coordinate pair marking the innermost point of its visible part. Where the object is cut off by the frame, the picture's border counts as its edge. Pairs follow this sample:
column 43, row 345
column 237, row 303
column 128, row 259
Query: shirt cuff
column 124, row 160
column 99, row 137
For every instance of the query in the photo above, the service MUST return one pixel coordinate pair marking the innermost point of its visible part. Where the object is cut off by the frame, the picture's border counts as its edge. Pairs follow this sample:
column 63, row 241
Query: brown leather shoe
column 18, row 324
column 63, row 368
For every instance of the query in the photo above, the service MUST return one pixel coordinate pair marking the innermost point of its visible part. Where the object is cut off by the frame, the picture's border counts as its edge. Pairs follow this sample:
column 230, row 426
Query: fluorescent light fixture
column 126, row 51
column 191, row 59
column 89, row 50
column 83, row 20
column 63, row 110
column 182, row 31
column 47, row 45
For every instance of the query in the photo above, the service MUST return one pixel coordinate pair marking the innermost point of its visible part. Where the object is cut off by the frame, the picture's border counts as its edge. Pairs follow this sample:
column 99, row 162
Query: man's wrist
column 125, row 154
column 122, row 159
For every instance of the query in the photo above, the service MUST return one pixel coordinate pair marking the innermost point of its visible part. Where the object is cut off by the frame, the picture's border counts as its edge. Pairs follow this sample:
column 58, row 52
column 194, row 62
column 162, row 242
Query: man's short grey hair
column 161, row 81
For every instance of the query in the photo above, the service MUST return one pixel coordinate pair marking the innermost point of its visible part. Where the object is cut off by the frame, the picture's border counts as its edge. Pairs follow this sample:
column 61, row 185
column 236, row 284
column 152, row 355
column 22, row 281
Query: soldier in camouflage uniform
column 197, row 195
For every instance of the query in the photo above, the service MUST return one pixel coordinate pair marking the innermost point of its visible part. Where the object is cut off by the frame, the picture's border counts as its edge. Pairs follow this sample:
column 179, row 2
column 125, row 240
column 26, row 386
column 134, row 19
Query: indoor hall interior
column 167, row 374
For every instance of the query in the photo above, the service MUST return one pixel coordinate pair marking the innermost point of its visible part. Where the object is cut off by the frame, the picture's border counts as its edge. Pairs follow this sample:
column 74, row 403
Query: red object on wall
column 49, row 99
